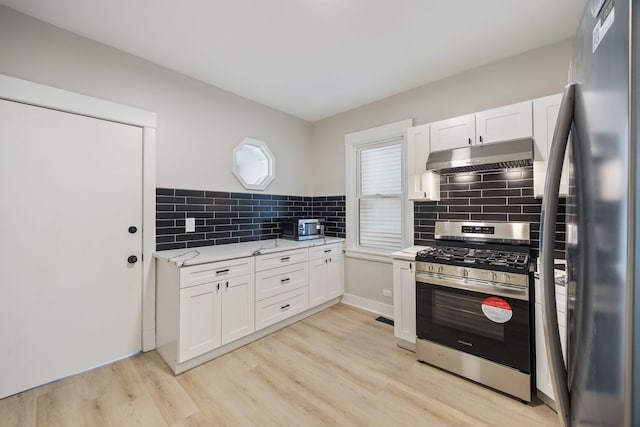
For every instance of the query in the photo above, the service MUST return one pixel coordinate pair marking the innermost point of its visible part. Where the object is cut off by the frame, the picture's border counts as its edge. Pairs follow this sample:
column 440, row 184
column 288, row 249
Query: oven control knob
column 440, row 269
column 430, row 267
column 464, row 272
column 507, row 278
column 494, row 277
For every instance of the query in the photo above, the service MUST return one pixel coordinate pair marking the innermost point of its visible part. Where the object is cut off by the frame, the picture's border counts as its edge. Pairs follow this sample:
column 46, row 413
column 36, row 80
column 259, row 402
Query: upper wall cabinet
column 504, row 123
column 422, row 185
column 498, row 124
column 545, row 114
column 453, row 133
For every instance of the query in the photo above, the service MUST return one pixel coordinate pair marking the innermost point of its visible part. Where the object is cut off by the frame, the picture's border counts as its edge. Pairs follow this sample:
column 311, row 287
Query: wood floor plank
column 337, row 367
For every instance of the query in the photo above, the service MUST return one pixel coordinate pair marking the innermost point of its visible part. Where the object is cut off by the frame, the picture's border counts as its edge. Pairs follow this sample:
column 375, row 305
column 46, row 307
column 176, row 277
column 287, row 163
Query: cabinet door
column 199, row 320
column 422, row 184
column 404, row 300
column 453, row 133
column 545, row 115
column 318, row 281
column 238, row 308
column 543, row 379
column 417, row 153
column 504, row 123
column 335, row 277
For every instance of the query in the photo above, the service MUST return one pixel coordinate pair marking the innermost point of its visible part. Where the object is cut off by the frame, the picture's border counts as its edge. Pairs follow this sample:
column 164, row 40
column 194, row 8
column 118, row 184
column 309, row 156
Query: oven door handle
column 473, row 285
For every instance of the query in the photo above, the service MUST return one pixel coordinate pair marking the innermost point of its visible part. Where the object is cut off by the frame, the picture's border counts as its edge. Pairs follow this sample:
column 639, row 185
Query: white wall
column 198, row 124
column 533, row 74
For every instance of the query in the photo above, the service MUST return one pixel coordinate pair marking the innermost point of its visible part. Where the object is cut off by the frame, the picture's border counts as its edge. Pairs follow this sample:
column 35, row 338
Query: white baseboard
column 380, row 308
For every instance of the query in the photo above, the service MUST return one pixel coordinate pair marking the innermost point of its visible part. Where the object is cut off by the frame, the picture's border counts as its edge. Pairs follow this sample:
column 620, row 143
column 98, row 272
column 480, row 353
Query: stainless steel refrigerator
column 597, row 123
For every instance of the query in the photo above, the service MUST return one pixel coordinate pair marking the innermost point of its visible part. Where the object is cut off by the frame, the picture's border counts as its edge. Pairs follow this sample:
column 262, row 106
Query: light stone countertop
column 408, row 254
column 205, row 254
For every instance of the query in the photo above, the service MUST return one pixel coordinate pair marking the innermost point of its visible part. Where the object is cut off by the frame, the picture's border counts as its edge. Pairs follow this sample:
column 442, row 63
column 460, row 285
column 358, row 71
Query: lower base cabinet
column 215, row 314
column 543, row 377
column 199, row 321
column 205, row 310
column 404, row 303
column 326, row 274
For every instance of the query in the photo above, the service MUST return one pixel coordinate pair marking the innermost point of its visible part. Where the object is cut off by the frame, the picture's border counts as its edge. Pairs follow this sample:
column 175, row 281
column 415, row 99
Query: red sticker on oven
column 497, row 310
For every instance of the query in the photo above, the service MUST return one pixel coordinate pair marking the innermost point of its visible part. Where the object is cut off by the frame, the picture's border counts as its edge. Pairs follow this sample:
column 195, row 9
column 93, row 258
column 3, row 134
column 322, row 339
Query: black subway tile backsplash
column 499, row 195
column 223, row 217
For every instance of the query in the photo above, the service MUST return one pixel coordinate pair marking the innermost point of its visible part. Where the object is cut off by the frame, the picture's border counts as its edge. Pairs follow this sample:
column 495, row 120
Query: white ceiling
column 315, row 58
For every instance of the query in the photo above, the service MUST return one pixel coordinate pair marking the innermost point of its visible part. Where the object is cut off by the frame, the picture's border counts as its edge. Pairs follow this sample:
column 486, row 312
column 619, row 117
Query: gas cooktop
column 490, row 259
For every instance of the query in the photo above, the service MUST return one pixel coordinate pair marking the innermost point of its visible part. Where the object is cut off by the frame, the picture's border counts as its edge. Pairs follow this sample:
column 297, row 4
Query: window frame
column 354, row 142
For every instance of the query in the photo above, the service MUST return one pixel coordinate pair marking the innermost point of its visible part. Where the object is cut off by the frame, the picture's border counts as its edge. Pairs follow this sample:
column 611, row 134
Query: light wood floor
column 339, row 367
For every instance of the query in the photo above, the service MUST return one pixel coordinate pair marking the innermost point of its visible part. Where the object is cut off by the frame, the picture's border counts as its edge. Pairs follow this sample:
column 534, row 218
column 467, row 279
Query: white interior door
column 72, row 187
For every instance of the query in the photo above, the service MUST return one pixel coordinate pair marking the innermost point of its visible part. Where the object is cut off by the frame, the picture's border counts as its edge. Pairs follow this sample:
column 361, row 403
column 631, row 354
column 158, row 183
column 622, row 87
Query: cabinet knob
column 227, row 285
column 481, row 139
column 133, row 229
column 469, row 141
column 132, row 259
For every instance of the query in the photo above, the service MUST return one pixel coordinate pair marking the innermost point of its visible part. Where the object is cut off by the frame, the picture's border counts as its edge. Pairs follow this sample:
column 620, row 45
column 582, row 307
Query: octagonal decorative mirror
column 253, row 164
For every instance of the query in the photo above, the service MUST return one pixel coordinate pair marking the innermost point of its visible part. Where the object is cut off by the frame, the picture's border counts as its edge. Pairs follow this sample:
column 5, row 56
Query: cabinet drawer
column 210, row 272
column 325, row 251
column 280, row 307
column 276, row 281
column 278, row 259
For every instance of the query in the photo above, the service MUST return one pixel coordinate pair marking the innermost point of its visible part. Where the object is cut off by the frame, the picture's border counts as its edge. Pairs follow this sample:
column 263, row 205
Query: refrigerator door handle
column 557, row 369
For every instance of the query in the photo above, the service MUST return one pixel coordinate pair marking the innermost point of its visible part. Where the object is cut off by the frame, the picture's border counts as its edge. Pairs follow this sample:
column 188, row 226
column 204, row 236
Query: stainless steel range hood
column 506, row 154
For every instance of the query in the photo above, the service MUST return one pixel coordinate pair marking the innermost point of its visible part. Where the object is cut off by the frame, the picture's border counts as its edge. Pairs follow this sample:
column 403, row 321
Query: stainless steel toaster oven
column 301, row 228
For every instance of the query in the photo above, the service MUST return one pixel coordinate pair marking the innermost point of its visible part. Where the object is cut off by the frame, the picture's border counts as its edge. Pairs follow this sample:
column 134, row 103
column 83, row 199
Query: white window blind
column 380, row 195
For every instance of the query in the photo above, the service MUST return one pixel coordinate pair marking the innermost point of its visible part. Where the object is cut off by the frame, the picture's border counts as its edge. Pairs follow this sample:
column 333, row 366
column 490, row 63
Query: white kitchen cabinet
column 504, row 123
column 513, row 121
column 209, row 309
column 202, row 307
column 282, row 291
column 545, row 115
column 335, row 277
column 326, row 274
column 214, row 314
column 453, row 133
column 237, row 308
column 404, row 303
column 199, row 320
column 422, row 185
column 543, row 378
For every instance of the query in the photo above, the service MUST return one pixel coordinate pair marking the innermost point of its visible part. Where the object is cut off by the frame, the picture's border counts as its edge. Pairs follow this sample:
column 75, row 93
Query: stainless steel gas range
column 473, row 305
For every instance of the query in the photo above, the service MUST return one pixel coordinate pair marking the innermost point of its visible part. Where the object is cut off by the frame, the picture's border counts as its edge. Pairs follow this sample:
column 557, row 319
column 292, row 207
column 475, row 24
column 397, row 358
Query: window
column 379, row 194
column 376, row 202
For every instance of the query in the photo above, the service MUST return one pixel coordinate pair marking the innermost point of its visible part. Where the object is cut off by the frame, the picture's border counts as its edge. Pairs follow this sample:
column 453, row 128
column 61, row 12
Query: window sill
column 369, row 255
